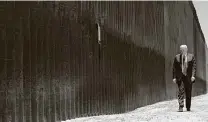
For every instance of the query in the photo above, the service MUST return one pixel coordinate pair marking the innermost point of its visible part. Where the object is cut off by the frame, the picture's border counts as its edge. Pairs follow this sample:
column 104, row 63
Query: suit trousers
column 185, row 89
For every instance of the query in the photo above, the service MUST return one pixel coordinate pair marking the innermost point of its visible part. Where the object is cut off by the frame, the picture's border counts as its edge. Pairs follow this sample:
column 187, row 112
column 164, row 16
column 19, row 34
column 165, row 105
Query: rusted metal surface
column 54, row 66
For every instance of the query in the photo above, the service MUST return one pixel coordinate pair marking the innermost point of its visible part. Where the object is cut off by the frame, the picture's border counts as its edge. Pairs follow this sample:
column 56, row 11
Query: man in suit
column 184, row 73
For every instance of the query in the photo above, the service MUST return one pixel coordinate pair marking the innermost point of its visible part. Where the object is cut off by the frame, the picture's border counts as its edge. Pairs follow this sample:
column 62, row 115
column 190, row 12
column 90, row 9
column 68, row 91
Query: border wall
column 53, row 68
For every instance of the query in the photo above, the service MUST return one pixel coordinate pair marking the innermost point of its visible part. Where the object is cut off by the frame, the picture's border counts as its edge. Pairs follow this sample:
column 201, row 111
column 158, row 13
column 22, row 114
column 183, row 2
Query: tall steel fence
column 61, row 60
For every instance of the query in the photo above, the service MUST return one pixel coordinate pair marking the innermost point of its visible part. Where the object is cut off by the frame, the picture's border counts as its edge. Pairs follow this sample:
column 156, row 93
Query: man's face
column 183, row 50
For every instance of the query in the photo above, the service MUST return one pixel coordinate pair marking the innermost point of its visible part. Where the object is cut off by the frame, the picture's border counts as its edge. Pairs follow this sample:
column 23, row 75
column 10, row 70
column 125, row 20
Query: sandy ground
column 160, row 112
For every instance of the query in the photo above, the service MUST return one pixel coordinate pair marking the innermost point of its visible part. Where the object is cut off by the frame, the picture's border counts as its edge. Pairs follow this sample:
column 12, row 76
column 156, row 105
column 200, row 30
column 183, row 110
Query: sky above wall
column 202, row 13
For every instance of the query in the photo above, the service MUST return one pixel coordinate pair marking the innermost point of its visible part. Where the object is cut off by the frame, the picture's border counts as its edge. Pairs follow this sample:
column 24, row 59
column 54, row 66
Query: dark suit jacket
column 177, row 70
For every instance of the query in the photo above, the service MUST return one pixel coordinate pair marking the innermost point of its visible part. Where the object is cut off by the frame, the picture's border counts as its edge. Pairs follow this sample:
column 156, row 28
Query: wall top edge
column 196, row 19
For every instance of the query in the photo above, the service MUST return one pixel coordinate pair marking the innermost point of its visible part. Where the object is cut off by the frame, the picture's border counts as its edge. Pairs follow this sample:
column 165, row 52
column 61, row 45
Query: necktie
column 184, row 64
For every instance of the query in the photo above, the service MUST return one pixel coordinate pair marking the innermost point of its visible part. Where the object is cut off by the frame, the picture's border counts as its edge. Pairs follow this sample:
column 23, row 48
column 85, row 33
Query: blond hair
column 183, row 47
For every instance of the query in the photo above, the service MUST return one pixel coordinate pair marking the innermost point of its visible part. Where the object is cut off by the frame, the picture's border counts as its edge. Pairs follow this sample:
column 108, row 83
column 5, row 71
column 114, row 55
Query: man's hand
column 192, row 79
column 174, row 80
